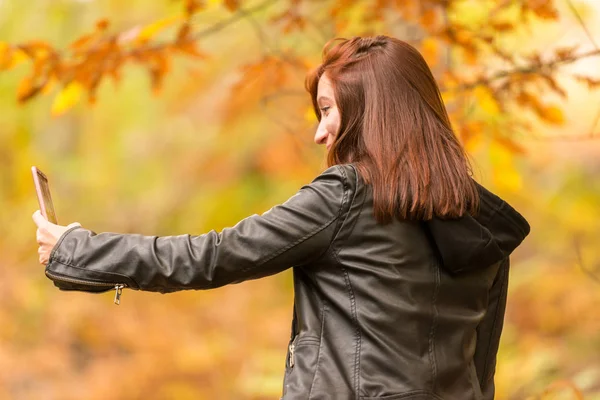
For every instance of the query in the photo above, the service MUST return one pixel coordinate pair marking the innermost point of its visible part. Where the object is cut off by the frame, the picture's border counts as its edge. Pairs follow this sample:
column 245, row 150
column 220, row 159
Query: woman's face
column 330, row 116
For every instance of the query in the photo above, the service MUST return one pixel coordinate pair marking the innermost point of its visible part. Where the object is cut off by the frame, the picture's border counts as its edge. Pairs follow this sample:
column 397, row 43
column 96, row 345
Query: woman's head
column 388, row 118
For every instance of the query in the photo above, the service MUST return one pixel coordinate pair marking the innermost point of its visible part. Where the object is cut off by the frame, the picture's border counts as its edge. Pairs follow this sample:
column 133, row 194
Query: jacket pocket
column 299, row 342
column 301, row 365
column 412, row 395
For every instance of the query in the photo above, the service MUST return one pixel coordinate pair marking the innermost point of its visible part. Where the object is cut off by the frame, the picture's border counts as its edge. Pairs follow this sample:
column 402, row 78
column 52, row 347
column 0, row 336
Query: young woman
column 400, row 258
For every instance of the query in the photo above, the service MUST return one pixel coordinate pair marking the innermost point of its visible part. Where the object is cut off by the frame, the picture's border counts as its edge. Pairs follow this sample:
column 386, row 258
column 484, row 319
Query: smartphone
column 43, row 194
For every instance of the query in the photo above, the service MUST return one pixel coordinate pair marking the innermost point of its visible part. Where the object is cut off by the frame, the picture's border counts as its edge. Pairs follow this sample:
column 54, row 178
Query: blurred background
column 172, row 117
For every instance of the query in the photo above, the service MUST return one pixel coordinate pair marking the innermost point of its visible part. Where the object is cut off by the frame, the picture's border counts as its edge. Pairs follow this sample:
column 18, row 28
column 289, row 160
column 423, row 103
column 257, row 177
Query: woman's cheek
column 333, row 124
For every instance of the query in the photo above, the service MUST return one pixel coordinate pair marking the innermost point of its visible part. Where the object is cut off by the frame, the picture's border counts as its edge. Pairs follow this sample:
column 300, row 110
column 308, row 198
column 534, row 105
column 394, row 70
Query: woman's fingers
column 39, row 219
column 39, row 237
column 42, row 237
column 47, row 235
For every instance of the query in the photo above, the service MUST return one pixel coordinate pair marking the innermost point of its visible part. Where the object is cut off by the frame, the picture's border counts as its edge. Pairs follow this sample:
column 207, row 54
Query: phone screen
column 43, row 193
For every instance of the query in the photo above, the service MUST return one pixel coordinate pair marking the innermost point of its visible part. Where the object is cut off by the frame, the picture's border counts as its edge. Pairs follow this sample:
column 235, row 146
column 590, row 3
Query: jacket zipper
column 292, row 348
column 117, row 286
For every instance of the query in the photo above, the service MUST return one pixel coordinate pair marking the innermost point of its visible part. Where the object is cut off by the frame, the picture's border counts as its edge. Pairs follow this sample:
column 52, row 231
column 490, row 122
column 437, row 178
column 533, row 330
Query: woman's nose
column 321, row 136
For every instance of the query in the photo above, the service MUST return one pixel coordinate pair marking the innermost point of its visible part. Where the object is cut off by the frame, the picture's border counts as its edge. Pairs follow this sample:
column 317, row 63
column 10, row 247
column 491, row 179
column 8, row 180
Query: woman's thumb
column 73, row 225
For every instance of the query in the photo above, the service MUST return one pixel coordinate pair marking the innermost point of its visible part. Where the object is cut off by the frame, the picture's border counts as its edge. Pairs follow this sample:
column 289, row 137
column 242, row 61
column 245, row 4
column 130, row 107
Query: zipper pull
column 118, row 290
column 292, row 346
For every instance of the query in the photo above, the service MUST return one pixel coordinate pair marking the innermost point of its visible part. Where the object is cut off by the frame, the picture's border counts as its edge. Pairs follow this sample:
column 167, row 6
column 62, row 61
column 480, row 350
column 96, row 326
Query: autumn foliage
column 229, row 132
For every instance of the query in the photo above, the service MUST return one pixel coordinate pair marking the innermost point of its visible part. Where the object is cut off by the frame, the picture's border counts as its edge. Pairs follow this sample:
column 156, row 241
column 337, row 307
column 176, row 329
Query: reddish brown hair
column 394, row 127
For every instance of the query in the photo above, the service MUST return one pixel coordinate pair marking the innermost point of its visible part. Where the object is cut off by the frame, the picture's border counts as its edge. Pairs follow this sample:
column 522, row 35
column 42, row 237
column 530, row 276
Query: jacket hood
column 472, row 242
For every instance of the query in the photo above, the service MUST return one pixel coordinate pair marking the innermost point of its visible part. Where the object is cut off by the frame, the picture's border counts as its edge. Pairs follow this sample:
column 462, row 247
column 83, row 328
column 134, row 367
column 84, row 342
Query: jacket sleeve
column 289, row 234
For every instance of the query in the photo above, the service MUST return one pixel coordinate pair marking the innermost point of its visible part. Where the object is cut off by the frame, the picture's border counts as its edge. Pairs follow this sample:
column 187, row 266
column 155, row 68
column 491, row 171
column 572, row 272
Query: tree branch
column 585, row 28
column 219, row 26
column 525, row 70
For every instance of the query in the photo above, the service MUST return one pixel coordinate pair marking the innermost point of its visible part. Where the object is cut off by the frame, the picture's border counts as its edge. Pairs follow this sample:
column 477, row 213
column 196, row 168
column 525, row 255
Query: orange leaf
column 232, row 5
column 82, row 43
column 429, row 18
column 114, row 70
column 473, row 141
column 37, row 49
column 543, row 9
column 510, row 144
column 192, row 6
column 190, row 48
column 27, row 89
column 102, row 24
column 471, row 56
column 183, row 33
column 502, row 26
column 552, row 114
column 430, row 48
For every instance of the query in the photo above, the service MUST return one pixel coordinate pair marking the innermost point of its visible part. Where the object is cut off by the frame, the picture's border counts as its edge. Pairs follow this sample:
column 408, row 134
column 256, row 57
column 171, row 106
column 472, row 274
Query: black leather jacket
column 408, row 310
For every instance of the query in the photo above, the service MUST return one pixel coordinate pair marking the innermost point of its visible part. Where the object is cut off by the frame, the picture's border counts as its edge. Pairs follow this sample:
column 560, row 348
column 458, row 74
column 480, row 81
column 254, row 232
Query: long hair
column 394, row 127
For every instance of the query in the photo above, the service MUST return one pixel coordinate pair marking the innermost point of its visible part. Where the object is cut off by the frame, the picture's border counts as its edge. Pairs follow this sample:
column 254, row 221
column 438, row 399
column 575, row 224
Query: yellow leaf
column 430, row 48
column 486, row 100
column 150, row 30
column 67, row 98
column 18, row 55
column 474, row 142
column 505, row 175
column 10, row 56
column 5, row 53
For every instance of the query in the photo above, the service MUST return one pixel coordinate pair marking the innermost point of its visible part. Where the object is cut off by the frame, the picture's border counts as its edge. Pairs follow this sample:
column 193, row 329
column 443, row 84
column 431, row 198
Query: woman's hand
column 47, row 235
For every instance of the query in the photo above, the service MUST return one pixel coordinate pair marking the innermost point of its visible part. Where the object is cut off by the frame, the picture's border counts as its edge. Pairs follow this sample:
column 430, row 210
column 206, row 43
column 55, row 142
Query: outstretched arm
column 290, row 234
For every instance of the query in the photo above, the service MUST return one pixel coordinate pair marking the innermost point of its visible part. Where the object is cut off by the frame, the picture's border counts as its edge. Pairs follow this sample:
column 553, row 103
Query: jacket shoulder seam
column 351, row 202
column 314, row 231
column 344, row 199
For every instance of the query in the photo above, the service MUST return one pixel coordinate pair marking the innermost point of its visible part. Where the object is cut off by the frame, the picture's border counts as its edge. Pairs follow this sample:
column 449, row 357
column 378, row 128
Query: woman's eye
column 324, row 109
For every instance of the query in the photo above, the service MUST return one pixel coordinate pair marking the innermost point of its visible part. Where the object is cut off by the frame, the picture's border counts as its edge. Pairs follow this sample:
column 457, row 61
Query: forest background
column 172, row 117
